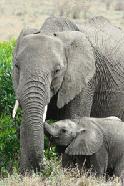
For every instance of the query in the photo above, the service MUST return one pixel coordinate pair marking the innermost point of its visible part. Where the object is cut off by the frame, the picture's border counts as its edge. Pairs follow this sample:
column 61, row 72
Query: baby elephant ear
column 87, row 142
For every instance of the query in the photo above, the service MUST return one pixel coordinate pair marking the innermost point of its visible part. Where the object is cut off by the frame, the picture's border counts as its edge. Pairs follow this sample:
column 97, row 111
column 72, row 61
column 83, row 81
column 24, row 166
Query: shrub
column 6, row 91
column 9, row 145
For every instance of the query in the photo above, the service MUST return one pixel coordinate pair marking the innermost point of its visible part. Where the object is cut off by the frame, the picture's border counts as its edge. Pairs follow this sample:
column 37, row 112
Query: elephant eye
column 58, row 68
column 63, row 130
column 56, row 71
column 16, row 66
column 16, row 63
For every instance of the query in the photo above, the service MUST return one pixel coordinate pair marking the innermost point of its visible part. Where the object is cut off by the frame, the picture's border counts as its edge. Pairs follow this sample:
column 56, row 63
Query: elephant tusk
column 113, row 118
column 44, row 114
column 15, row 109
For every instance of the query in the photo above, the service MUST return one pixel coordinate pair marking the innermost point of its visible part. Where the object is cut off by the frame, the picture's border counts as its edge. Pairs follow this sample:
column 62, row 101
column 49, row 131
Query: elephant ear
column 87, row 142
column 80, row 65
column 23, row 33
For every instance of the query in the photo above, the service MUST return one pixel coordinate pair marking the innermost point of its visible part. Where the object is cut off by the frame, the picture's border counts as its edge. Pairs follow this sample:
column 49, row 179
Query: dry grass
column 72, row 9
column 54, row 175
column 14, row 16
column 61, row 179
column 119, row 6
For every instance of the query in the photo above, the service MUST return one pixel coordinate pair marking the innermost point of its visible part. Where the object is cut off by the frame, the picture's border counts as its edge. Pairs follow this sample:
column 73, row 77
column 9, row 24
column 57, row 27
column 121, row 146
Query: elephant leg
column 119, row 168
column 68, row 161
column 99, row 162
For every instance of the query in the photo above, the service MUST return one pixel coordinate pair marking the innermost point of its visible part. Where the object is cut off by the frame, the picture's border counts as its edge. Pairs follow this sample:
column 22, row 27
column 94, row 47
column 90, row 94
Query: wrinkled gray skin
column 39, row 66
column 96, row 143
column 74, row 73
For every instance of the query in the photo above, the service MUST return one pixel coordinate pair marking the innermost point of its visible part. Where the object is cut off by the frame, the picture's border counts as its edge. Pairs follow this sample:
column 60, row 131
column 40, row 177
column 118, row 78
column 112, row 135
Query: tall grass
column 54, row 175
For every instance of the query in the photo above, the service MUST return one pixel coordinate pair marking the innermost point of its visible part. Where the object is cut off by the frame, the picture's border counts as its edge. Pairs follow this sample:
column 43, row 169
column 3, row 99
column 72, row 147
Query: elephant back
column 108, row 44
column 58, row 24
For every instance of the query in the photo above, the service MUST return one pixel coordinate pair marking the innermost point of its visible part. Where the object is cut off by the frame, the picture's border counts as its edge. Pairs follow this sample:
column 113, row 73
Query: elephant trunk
column 50, row 131
column 33, row 102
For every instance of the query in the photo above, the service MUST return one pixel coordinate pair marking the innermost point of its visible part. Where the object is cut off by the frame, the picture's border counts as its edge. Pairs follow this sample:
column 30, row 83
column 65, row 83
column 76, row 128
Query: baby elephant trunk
column 50, row 131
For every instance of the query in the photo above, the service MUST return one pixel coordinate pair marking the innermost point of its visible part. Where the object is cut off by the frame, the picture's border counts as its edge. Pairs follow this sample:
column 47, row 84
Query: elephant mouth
column 54, row 139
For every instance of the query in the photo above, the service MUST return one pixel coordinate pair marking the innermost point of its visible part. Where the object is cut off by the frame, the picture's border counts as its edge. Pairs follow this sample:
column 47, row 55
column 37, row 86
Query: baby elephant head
column 80, row 137
column 61, row 132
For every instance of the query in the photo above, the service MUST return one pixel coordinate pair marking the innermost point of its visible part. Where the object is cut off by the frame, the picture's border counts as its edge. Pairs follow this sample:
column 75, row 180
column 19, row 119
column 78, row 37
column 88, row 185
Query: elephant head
column 60, row 132
column 80, row 137
column 44, row 65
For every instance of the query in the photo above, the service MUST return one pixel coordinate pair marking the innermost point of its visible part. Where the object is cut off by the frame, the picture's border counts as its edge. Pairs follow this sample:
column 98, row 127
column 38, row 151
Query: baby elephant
column 97, row 143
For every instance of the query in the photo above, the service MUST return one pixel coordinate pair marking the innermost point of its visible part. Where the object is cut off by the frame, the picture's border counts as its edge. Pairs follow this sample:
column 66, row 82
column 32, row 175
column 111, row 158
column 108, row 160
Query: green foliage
column 49, row 151
column 9, row 145
column 50, row 167
column 6, row 90
column 9, row 129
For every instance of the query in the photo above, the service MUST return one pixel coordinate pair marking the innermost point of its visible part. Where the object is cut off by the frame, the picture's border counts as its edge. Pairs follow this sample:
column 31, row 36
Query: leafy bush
column 6, row 90
column 9, row 145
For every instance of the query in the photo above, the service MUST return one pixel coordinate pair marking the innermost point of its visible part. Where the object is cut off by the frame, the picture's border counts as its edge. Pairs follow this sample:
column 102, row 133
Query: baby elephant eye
column 56, row 71
column 63, row 130
column 58, row 68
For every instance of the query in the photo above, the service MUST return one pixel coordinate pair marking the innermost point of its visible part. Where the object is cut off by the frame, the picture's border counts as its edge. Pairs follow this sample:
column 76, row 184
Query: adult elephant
column 38, row 70
column 74, row 73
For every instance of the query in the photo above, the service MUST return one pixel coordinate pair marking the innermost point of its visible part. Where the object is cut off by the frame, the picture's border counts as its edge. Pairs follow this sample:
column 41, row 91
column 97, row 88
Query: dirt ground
column 17, row 14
